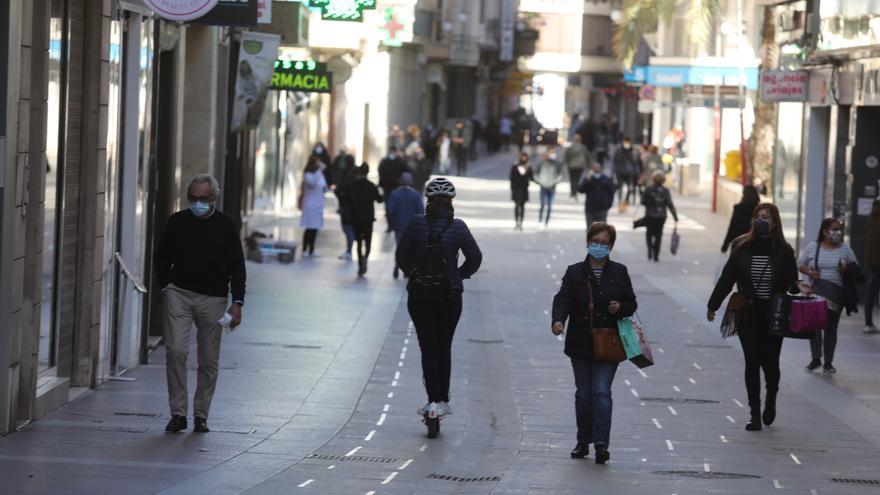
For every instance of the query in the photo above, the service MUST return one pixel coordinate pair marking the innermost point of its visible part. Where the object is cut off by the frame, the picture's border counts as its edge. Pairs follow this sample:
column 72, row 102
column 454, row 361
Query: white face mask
column 319, row 149
column 552, row 156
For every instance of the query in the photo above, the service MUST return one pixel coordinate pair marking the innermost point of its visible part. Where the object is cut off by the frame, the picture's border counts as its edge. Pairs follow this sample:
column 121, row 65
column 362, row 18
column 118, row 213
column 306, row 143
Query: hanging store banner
column 256, row 62
column 784, row 85
column 232, row 13
column 508, row 24
column 305, row 76
column 264, row 11
column 396, row 21
column 180, row 10
column 342, row 10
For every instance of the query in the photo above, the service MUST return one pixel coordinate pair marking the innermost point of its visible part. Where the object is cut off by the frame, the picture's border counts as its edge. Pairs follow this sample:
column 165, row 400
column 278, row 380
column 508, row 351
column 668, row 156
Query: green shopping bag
column 632, row 336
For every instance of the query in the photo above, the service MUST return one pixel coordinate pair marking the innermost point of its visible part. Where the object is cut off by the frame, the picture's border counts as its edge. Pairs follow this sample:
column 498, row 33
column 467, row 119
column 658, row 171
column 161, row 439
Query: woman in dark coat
column 362, row 196
column 612, row 298
column 741, row 220
column 520, row 177
column 657, row 199
column 762, row 263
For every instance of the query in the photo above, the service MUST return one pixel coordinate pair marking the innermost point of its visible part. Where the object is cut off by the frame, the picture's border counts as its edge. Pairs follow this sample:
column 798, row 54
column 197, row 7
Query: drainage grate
column 138, row 414
column 709, row 346
column 854, row 481
column 482, row 341
column 707, row 476
column 799, row 450
column 286, row 346
column 673, row 400
column 352, row 458
column 446, row 477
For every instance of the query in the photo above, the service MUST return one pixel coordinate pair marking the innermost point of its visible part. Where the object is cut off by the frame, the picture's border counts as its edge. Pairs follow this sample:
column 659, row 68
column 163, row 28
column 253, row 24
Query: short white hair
column 205, row 179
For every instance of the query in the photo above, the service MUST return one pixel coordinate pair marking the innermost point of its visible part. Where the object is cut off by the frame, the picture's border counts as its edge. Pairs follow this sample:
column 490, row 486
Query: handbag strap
column 590, row 292
column 816, row 260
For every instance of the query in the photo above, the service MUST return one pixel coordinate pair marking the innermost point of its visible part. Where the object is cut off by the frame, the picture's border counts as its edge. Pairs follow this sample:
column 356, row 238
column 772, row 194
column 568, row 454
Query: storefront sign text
column 782, row 85
column 304, row 76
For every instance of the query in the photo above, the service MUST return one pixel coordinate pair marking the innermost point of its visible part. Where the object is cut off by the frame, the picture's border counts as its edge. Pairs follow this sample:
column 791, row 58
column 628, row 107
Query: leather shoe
column 201, row 425
column 580, row 451
column 176, row 425
column 602, row 454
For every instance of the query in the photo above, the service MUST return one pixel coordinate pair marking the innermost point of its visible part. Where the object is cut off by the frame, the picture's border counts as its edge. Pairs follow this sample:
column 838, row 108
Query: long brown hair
column 312, row 165
column 777, row 236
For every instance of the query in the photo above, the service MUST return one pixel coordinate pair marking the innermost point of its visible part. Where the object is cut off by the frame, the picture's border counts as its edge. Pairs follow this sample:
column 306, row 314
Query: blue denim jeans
column 592, row 400
column 547, row 196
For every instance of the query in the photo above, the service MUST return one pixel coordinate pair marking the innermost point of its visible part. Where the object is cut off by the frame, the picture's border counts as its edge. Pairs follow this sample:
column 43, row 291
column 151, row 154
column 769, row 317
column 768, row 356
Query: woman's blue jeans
column 592, row 400
column 547, row 196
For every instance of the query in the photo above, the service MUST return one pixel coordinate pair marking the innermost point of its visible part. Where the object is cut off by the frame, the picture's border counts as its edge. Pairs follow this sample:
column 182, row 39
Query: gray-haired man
column 198, row 260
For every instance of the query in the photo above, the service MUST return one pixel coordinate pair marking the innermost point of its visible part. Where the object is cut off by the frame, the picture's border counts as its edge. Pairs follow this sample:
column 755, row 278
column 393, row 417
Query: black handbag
column 829, row 290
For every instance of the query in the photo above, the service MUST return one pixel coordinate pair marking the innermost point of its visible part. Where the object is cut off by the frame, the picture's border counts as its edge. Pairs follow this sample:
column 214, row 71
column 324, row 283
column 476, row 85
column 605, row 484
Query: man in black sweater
column 198, row 260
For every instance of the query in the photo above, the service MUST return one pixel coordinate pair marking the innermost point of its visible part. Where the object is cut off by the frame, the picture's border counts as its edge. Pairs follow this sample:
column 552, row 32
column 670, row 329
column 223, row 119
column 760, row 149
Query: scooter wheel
column 433, row 425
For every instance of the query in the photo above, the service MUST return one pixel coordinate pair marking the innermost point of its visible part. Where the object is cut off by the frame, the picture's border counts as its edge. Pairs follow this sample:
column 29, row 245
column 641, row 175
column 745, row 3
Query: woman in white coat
column 314, row 185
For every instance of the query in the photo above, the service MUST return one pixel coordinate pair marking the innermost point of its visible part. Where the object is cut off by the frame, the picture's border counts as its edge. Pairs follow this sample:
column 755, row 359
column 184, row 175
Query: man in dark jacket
column 872, row 264
column 390, row 169
column 404, row 204
column 599, row 189
column 362, row 196
column 198, row 260
column 627, row 167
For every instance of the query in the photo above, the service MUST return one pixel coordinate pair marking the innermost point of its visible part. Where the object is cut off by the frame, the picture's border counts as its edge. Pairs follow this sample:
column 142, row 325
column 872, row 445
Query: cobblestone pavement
column 318, row 389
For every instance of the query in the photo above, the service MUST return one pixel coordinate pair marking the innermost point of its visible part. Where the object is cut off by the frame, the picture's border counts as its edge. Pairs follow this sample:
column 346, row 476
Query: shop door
column 865, row 175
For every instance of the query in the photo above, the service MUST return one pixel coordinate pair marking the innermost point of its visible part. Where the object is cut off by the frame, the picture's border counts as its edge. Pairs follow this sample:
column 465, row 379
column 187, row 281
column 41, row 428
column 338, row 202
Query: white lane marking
column 657, row 423
column 389, row 478
column 305, row 483
column 390, row 394
column 397, row 375
column 813, row 491
column 546, row 312
column 706, row 468
column 406, row 341
column 423, row 448
column 661, row 350
column 331, row 467
column 740, row 404
column 371, row 492
column 795, row 459
column 644, row 375
column 627, row 383
column 723, row 439
column 669, row 445
column 386, row 407
column 644, row 459
column 730, row 418
column 559, row 338
column 369, row 435
column 404, row 349
column 673, row 411
column 402, row 355
column 548, row 266
column 411, row 324
column 353, row 451
column 777, row 485
column 675, row 387
column 634, row 392
column 394, row 383
column 381, row 419
column 697, row 366
column 405, row 465
column 553, row 276
column 693, row 382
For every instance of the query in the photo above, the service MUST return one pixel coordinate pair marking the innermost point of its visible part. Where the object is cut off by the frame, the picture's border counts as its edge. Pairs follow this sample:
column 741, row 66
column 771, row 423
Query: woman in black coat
column 657, row 199
column 612, row 298
column 520, row 177
column 762, row 263
column 741, row 220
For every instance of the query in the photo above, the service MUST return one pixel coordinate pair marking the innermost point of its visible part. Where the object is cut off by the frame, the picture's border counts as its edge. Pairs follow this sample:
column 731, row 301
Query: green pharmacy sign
column 343, row 10
column 306, row 76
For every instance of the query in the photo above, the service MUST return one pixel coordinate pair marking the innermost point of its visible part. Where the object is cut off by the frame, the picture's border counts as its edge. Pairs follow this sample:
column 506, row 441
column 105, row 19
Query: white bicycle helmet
column 440, row 188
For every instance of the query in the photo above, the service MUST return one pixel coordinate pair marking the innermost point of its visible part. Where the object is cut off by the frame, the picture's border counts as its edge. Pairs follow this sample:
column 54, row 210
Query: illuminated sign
column 396, row 26
column 180, row 10
column 343, row 10
column 305, row 76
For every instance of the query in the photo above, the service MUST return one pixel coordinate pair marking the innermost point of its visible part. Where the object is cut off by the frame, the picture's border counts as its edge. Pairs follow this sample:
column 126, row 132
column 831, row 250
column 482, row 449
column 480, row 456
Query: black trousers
column 826, row 339
column 761, row 351
column 309, row 237
column 364, row 238
column 654, row 236
column 435, row 326
column 519, row 211
column 574, row 178
column 461, row 160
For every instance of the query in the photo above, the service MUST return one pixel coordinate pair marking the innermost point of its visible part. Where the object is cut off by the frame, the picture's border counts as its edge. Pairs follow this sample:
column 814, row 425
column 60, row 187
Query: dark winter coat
column 362, row 196
column 740, row 223
column 853, row 277
column 519, row 184
column 872, row 238
column 411, row 248
column 572, row 303
column 600, row 193
column 657, row 200
column 738, row 270
column 626, row 163
column 404, row 204
column 389, row 174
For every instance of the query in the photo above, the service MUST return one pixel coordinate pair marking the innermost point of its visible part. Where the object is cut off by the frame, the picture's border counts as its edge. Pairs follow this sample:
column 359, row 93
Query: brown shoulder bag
column 607, row 347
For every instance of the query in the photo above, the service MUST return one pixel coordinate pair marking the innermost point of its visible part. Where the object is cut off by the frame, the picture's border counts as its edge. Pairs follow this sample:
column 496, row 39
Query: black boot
column 602, row 454
column 580, row 450
column 770, row 408
column 754, row 423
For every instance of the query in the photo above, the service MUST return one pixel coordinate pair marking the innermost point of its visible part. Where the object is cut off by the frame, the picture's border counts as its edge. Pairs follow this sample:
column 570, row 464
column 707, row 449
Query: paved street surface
column 318, row 389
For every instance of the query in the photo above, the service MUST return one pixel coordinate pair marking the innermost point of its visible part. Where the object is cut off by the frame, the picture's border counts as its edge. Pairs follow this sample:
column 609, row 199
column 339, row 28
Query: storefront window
column 787, row 168
column 55, row 132
column 267, row 164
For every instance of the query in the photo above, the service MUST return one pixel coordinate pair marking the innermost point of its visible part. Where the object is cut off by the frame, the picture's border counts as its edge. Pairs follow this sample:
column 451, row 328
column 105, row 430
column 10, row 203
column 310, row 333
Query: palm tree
column 763, row 137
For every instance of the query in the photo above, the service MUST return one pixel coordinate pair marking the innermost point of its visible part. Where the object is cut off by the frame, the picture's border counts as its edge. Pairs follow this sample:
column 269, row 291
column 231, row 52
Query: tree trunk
column 763, row 137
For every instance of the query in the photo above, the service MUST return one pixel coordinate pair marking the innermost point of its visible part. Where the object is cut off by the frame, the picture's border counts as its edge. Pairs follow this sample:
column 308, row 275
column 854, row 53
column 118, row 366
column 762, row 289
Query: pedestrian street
column 319, row 386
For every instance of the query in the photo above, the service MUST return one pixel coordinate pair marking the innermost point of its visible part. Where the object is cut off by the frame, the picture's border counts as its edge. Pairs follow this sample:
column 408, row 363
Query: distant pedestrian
column 594, row 294
column 312, row 220
column 198, row 261
column 599, row 189
column 345, row 174
column 548, row 176
column 444, row 150
column 419, row 168
column 395, row 138
column 505, row 128
column 626, row 167
column 825, row 261
column 326, row 163
column 520, row 177
column 872, row 263
column 364, row 194
column 404, row 203
column 657, row 199
column 428, row 254
column 390, row 169
column 462, row 138
column 761, row 263
column 741, row 220
column 577, row 160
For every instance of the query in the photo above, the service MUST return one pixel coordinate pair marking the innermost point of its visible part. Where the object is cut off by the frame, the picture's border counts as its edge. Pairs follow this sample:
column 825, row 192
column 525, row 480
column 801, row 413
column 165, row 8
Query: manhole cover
column 446, row 477
column 854, row 481
column 138, row 414
column 708, row 346
column 352, row 458
column 799, row 450
column 301, row 346
column 674, row 400
column 706, row 476
column 483, row 341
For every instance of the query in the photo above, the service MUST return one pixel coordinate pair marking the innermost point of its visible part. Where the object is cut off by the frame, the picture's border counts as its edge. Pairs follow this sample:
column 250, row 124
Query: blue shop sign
column 679, row 76
column 635, row 74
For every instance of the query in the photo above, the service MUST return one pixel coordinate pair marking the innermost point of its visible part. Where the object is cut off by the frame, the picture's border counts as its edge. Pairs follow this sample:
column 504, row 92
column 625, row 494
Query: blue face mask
column 200, row 208
column 599, row 251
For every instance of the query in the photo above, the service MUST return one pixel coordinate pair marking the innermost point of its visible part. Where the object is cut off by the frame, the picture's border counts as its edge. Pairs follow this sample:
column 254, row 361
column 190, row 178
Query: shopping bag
column 673, row 243
column 632, row 336
column 797, row 317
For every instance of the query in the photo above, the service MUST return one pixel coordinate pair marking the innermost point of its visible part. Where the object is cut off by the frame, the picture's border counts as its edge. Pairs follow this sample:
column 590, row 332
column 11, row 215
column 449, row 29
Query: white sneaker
column 344, row 256
column 444, row 409
column 421, row 411
column 432, row 411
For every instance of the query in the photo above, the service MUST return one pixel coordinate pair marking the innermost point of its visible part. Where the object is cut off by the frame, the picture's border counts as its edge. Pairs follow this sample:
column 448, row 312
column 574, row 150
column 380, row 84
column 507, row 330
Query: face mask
column 392, row 156
column 599, row 251
column 627, row 146
column 552, row 156
column 200, row 208
column 319, row 150
column 836, row 236
column 762, row 227
column 596, row 175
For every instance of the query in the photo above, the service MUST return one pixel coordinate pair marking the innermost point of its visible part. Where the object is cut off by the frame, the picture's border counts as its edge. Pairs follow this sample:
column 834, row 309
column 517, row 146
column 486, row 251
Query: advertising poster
column 256, row 65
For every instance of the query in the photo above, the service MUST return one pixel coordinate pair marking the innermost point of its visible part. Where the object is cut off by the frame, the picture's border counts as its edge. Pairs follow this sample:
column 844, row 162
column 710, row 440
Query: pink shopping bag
column 808, row 315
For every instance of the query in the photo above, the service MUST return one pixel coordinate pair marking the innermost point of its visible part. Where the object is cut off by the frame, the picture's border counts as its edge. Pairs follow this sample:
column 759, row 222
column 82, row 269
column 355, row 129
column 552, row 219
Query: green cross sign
column 343, row 10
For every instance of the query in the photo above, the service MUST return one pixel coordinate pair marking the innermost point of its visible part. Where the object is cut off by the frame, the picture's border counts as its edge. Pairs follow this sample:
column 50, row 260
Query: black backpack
column 429, row 282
